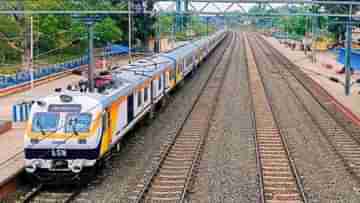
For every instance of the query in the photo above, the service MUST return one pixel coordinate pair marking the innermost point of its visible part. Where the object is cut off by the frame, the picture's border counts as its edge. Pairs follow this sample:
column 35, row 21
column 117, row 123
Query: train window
column 45, row 122
column 180, row 68
column 139, row 98
column 172, row 75
column 77, row 122
column 189, row 60
column 146, row 92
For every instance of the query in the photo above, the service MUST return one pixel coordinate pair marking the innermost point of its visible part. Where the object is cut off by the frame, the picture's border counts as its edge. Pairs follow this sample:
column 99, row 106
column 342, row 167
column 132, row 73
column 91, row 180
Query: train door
column 153, row 88
column 130, row 107
column 167, row 79
column 179, row 74
column 162, row 80
column 105, row 132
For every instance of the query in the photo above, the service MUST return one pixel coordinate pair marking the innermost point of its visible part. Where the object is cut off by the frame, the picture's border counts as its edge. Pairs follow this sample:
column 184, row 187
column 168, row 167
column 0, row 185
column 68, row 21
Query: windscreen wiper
column 38, row 123
column 74, row 127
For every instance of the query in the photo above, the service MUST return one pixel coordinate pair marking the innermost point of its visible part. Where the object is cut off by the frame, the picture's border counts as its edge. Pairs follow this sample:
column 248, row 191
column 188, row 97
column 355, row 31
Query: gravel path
column 227, row 171
column 324, row 175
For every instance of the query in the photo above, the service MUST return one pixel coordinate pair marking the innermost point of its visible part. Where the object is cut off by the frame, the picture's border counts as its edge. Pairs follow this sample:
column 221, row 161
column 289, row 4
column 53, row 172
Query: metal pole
column 314, row 30
column 158, row 36
column 186, row 16
column 286, row 30
column 312, row 38
column 130, row 33
column 178, row 16
column 31, row 64
column 348, row 54
column 91, row 58
column 172, row 36
column 207, row 26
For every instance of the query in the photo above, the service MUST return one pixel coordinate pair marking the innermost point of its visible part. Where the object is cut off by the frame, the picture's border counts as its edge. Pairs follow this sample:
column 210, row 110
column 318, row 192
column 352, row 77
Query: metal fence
column 25, row 76
column 355, row 58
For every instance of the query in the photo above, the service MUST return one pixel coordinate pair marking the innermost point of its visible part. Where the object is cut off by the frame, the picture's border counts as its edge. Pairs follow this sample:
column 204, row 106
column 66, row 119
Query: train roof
column 181, row 51
column 135, row 74
column 126, row 78
column 189, row 46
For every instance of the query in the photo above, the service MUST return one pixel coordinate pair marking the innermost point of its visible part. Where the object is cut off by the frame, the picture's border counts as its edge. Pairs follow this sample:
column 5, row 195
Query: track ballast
column 170, row 179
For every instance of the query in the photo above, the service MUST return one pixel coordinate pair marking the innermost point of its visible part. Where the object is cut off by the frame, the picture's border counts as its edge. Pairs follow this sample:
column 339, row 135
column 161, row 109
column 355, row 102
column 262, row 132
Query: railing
column 25, row 76
column 355, row 58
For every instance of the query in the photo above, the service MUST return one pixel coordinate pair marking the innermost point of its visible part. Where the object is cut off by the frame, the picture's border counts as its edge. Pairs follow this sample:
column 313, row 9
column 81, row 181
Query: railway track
column 40, row 194
column 320, row 107
column 171, row 178
column 279, row 180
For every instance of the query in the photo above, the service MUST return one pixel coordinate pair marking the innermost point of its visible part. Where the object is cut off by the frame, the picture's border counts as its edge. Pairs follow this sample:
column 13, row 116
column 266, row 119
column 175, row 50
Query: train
column 71, row 131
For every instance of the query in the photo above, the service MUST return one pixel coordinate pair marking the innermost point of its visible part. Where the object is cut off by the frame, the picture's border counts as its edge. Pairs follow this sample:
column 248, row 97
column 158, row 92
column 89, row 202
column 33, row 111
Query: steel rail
column 202, row 141
column 300, row 184
column 36, row 192
column 348, row 162
column 253, row 121
column 285, row 145
column 289, row 65
column 142, row 194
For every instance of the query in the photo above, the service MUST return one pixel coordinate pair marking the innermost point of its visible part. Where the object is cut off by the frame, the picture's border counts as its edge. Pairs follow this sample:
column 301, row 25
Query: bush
column 8, row 55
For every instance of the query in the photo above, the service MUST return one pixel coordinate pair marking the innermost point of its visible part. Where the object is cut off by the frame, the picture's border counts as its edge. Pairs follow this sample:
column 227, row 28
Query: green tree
column 107, row 31
column 53, row 34
column 338, row 29
column 166, row 23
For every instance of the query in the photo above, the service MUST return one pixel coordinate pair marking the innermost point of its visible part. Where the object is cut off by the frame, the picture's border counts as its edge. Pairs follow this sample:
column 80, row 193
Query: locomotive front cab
column 62, row 137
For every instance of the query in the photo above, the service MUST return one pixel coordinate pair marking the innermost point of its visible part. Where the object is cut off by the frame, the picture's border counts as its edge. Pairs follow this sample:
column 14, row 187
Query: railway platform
column 11, row 159
column 325, row 72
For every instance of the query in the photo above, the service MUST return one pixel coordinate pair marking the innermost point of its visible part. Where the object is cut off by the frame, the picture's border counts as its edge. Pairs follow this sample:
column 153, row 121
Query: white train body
column 72, row 130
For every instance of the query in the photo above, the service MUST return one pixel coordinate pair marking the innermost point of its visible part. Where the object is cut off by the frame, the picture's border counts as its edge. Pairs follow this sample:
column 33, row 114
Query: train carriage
column 71, row 130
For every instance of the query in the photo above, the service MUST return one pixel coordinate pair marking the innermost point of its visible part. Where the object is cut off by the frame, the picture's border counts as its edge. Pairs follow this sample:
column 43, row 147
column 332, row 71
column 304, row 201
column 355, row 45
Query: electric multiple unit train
column 72, row 130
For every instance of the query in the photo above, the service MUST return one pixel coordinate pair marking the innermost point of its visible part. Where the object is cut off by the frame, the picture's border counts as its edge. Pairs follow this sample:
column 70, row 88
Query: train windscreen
column 45, row 122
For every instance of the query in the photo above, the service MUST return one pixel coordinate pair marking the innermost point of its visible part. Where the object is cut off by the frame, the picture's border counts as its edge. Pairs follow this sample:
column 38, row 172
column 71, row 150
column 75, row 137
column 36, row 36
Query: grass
column 8, row 70
column 63, row 55
column 47, row 60
column 60, row 58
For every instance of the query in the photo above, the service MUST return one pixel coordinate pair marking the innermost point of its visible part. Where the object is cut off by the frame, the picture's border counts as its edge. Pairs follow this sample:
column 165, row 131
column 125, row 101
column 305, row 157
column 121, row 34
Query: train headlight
column 82, row 141
column 77, row 166
column 34, row 141
column 33, row 166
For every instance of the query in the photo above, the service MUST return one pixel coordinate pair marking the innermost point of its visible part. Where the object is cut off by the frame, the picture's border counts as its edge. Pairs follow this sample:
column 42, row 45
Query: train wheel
column 89, row 175
column 165, row 101
column 118, row 147
column 151, row 115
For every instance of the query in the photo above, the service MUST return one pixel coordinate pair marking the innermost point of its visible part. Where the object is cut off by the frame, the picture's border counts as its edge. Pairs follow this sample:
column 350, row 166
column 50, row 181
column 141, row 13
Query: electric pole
column 129, row 20
column 158, row 36
column 31, row 56
column 207, row 26
column 348, row 53
column 91, row 68
column 90, row 22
